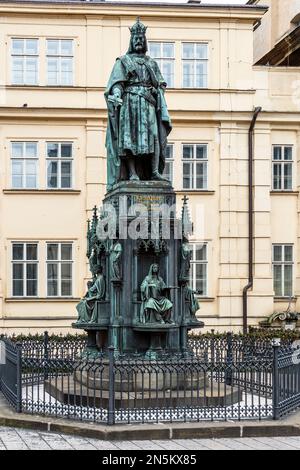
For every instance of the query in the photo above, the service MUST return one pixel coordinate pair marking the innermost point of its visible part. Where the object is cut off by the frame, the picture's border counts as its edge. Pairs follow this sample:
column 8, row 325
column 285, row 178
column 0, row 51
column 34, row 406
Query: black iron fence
column 220, row 378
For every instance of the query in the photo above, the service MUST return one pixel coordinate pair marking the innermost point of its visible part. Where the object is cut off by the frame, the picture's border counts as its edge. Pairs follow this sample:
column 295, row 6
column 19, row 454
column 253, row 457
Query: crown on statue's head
column 138, row 28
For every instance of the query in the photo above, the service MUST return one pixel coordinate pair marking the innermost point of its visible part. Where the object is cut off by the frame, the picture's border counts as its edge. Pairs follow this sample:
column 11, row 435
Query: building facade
column 56, row 57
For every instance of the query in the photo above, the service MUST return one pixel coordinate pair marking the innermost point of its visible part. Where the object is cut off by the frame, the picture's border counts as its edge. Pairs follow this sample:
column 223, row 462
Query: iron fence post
column 19, row 377
column 276, row 390
column 46, row 354
column 229, row 360
column 111, row 376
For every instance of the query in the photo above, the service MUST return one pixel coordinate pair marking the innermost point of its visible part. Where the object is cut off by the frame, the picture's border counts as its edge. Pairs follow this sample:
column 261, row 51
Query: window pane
column 31, row 71
column 201, row 152
column 52, row 251
column 66, row 288
column 66, row 150
column 277, row 153
column 277, row 176
column 288, row 179
column 31, row 174
column 18, row 251
column 31, row 149
column 66, row 252
column 52, row 150
column 17, row 71
column 188, row 74
column 18, row 46
column 154, row 49
column 201, row 253
column 277, row 253
column 66, row 71
column 52, row 179
column 169, row 151
column 201, row 175
column 18, row 271
column 188, row 151
column 168, row 72
column 66, row 47
column 31, row 252
column 188, row 50
column 52, row 47
column 187, row 176
column 53, row 71
column 288, row 153
column 31, row 46
column 17, row 174
column 288, row 281
column 288, row 253
column 66, row 271
column 278, row 280
column 18, row 289
column 17, row 149
column 201, row 51
column 66, row 174
column 52, row 275
column 168, row 49
column 31, row 286
column 201, row 278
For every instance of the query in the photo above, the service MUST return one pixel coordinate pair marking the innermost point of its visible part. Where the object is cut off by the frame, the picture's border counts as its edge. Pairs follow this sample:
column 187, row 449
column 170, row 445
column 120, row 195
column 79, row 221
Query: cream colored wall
column 219, row 116
column 275, row 24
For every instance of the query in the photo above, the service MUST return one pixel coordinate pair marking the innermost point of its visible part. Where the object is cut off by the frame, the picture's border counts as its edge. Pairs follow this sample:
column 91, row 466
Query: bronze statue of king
column 138, row 118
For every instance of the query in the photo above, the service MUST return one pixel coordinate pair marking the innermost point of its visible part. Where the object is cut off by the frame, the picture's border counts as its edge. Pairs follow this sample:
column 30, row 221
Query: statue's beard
column 140, row 49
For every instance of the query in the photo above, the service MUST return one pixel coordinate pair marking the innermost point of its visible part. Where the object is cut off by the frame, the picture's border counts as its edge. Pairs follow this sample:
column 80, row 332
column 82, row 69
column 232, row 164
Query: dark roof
column 285, row 52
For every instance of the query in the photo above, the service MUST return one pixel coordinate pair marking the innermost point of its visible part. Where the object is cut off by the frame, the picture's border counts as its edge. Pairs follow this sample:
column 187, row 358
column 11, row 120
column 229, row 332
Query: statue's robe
column 143, row 120
column 86, row 306
column 153, row 297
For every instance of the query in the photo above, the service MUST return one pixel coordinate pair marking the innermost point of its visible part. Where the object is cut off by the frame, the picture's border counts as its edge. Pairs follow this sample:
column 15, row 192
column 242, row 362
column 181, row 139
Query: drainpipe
column 250, row 218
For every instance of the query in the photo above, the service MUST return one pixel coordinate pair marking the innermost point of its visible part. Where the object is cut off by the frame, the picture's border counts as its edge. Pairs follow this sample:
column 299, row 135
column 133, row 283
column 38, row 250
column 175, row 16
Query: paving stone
column 190, row 444
column 169, row 445
column 56, row 441
column 127, row 445
column 102, row 445
column 288, row 442
column 212, row 444
column 235, row 444
column 80, row 443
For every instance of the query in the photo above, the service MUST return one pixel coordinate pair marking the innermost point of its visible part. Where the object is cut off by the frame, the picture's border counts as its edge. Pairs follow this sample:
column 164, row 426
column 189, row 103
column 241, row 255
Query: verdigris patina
column 138, row 118
column 156, row 307
column 96, row 291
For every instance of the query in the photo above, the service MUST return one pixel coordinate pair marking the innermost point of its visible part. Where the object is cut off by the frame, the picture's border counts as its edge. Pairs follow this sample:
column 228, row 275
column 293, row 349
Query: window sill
column 200, row 192
column 71, row 192
column 285, row 299
column 285, row 193
column 41, row 299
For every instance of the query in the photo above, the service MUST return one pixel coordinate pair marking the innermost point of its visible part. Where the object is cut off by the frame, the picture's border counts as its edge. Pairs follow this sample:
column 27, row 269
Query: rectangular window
column 59, row 165
column 199, row 268
column 60, row 62
column 283, row 270
column 163, row 53
column 24, row 165
column 195, row 65
column 59, row 269
column 195, row 166
column 168, row 171
column 24, row 57
column 282, row 163
column 24, row 269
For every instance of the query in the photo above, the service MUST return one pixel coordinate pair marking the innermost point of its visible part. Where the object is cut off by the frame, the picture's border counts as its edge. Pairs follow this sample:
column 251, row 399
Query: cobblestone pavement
column 19, row 439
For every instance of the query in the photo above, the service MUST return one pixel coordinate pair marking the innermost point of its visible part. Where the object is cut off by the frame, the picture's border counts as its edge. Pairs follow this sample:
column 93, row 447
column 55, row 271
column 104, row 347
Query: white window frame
column 25, row 56
column 59, row 262
column 23, row 161
column 282, row 163
column 24, row 262
column 195, row 60
column 161, row 59
column 170, row 161
column 194, row 161
column 59, row 58
column 283, row 263
column 59, row 161
column 194, row 263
